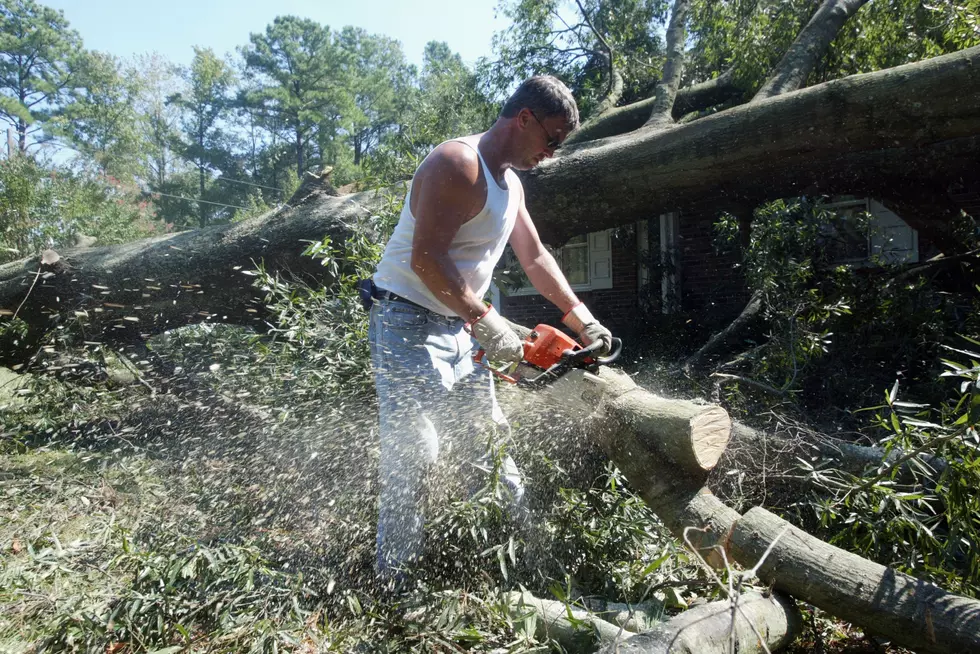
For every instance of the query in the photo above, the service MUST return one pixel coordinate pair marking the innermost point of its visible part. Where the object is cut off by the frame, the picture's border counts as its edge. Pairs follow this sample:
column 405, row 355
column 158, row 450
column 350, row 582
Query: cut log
column 576, row 630
column 906, row 610
column 693, row 436
column 762, row 623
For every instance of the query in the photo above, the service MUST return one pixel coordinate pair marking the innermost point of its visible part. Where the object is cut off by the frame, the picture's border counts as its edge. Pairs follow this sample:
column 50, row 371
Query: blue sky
column 172, row 27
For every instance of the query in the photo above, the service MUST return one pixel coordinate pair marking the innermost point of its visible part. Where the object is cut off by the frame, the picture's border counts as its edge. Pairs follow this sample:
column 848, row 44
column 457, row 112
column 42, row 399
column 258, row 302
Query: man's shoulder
column 455, row 155
column 453, row 163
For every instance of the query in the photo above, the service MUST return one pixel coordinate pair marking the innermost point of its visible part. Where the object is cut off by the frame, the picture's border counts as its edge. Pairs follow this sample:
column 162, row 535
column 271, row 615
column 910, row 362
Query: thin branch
column 723, row 378
column 809, row 47
column 928, row 445
column 21, row 305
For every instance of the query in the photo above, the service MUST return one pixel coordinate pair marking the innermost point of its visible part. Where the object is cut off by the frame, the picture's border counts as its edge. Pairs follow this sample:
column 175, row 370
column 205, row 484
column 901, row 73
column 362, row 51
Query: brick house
column 670, row 265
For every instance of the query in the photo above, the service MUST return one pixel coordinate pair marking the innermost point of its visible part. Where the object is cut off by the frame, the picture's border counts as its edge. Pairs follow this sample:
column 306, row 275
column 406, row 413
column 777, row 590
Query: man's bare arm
column 446, row 194
column 541, row 268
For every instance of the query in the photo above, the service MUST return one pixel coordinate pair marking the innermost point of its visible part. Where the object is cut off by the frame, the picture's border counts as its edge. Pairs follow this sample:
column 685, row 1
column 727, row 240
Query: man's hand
column 496, row 338
column 589, row 330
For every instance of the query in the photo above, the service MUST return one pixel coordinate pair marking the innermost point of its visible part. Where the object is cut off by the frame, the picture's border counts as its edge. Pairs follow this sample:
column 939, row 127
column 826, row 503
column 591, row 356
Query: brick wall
column 614, row 307
column 712, row 288
column 967, row 197
column 712, row 284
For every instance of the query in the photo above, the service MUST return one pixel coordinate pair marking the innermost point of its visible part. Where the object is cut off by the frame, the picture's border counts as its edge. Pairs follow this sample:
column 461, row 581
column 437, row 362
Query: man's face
column 542, row 136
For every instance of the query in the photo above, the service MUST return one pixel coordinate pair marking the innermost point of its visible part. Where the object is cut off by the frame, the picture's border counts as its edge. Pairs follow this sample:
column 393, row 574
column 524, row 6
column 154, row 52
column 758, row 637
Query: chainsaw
column 549, row 353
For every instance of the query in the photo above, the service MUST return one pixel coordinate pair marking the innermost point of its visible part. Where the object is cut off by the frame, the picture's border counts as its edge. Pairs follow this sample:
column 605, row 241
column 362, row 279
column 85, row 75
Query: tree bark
column 809, row 47
column 632, row 117
column 760, row 624
column 663, row 103
column 908, row 611
column 125, row 293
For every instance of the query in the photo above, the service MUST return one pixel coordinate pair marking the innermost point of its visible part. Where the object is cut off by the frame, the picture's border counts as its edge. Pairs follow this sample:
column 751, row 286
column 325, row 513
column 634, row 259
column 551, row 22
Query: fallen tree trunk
column 884, row 133
column 125, row 293
column 906, row 610
column 760, row 623
column 913, row 126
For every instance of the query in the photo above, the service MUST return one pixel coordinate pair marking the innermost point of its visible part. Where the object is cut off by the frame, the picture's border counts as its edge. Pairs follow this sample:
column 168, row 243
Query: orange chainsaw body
column 544, row 346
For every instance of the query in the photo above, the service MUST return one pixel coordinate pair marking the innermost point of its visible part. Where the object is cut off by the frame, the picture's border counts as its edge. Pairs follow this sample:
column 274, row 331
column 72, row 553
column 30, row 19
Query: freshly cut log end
column 710, row 432
column 693, row 436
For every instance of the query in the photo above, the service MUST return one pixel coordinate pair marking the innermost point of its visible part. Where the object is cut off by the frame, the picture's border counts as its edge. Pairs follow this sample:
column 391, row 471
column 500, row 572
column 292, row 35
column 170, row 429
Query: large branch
column 124, row 293
column 910, row 127
column 809, row 47
column 663, row 102
column 633, row 116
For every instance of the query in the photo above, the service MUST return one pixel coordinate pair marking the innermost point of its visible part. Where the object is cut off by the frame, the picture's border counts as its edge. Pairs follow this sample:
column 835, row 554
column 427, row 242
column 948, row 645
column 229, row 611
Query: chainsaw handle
column 589, row 351
column 614, row 352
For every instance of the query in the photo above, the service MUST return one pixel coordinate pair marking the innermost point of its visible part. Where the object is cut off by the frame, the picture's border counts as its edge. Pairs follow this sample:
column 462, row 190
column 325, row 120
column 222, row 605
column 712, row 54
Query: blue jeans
column 430, row 393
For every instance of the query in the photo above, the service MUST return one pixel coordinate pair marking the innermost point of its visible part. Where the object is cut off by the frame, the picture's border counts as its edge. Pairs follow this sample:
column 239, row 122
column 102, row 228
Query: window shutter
column 891, row 237
column 600, row 260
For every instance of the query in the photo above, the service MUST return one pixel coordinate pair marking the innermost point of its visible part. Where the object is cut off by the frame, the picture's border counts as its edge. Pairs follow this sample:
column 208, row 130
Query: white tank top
column 475, row 249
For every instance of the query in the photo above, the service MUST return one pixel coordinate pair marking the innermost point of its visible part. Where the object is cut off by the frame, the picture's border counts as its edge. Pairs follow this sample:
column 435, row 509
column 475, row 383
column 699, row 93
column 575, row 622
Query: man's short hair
column 545, row 96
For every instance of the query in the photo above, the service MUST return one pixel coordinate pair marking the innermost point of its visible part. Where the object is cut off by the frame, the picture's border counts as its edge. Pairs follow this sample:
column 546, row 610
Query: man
column 429, row 318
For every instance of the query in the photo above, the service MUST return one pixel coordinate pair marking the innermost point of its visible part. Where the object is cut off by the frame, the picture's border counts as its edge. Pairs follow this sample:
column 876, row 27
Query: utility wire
column 238, row 181
column 181, row 197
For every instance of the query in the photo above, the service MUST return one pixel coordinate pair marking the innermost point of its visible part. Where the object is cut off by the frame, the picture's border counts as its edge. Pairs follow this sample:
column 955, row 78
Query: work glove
column 581, row 321
column 496, row 338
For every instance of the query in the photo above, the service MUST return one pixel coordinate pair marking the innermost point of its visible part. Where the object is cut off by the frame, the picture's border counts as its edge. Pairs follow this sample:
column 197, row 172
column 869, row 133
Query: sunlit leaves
column 553, row 37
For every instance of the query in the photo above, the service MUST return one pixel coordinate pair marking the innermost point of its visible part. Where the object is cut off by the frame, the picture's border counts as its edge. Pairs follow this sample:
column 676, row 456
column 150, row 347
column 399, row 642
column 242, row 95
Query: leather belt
column 381, row 294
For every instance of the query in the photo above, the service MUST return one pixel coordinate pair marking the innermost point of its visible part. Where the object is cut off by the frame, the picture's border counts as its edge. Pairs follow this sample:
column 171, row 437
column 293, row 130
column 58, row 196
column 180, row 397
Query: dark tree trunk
column 300, row 164
column 910, row 127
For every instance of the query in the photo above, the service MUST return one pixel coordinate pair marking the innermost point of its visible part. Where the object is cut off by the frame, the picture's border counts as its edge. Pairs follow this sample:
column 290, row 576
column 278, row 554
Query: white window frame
column 882, row 222
column 600, row 265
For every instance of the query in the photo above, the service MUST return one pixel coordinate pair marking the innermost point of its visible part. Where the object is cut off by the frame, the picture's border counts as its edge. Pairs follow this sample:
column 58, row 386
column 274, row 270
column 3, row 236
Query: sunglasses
column 553, row 142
